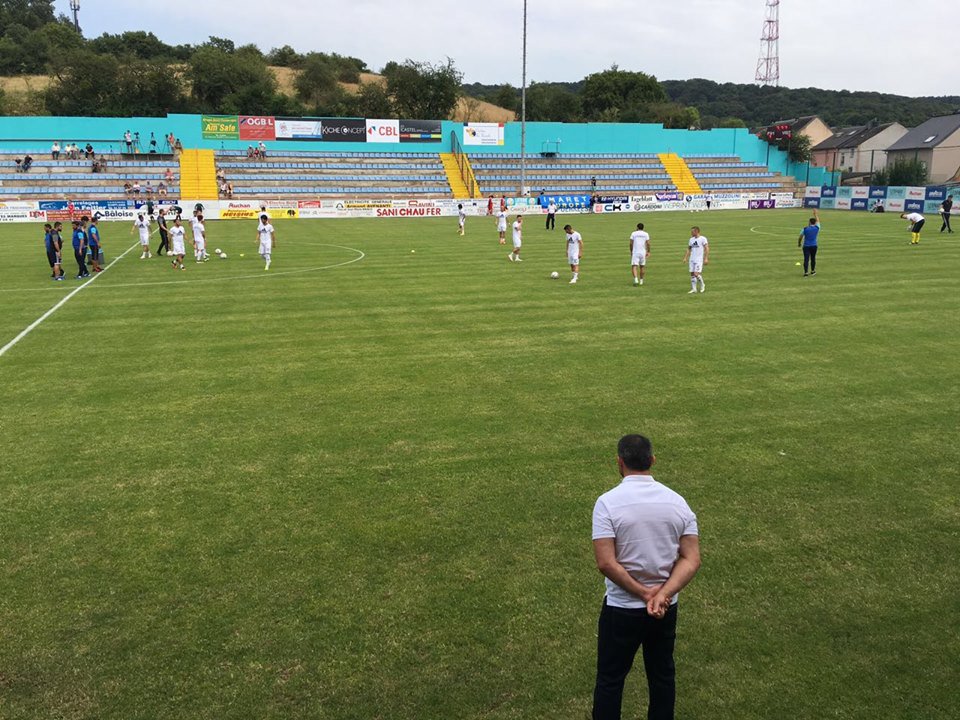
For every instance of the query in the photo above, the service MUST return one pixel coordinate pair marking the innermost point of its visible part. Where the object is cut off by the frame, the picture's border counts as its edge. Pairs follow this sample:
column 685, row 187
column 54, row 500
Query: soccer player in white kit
column 199, row 238
column 461, row 220
column 517, row 240
column 177, row 240
column 266, row 236
column 502, row 226
column 639, row 250
column 698, row 255
column 142, row 226
column 574, row 250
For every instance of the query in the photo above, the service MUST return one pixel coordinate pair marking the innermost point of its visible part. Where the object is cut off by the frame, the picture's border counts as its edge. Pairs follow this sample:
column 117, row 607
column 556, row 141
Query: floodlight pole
column 75, row 7
column 523, row 108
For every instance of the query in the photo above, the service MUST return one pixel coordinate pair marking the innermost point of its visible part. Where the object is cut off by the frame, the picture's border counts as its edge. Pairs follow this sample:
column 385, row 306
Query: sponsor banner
column 845, row 192
column 812, row 192
column 842, row 204
column 18, row 205
column 828, row 191
column 828, row 203
column 761, row 204
column 900, row 193
column 383, row 131
column 913, row 206
column 811, row 202
column 309, row 204
column 669, row 196
column 932, row 207
column 789, row 202
column 878, row 192
column 420, row 131
column 566, row 202
column 483, row 133
column 937, row 193
column 343, row 130
column 409, row 212
column 22, row 215
column 298, row 129
column 257, row 127
column 916, row 193
column 894, row 205
column 860, row 203
column 861, row 192
column 219, row 127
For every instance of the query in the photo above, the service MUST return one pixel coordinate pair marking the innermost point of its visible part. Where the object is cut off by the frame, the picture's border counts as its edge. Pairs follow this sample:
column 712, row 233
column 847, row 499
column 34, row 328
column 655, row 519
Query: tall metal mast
column 768, row 66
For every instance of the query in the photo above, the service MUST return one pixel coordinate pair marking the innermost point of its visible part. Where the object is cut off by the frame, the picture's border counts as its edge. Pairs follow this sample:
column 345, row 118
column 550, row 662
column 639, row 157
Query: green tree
column 230, row 82
column 672, row 115
column 137, row 43
column 285, row 56
column 903, row 171
column 798, row 148
column 316, row 84
column 421, row 90
column 616, row 95
column 506, row 96
column 551, row 102
column 31, row 14
column 373, row 101
column 84, row 83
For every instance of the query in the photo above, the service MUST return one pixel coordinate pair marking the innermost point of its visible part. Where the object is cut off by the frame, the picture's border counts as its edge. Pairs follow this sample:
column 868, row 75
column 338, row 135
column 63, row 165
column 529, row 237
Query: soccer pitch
column 360, row 485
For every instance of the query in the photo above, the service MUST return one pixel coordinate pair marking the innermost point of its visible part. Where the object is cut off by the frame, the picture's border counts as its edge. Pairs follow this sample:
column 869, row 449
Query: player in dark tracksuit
column 945, row 209
column 164, row 235
column 51, row 243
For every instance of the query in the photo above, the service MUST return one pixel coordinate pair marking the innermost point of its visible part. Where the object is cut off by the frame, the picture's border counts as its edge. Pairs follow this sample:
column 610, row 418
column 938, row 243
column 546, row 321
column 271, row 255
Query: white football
column 218, row 251
column 554, row 275
column 223, row 255
column 169, row 253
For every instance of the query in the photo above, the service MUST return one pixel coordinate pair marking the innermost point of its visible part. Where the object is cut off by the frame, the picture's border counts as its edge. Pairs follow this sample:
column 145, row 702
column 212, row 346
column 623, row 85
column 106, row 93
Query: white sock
column 693, row 282
column 702, row 283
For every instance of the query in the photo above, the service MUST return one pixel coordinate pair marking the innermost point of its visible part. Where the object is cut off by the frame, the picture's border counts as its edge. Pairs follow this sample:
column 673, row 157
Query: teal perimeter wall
column 35, row 134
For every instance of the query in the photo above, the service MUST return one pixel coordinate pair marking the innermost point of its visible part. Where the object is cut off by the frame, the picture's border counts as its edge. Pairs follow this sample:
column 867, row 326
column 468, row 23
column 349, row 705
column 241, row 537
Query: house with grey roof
column 936, row 143
column 861, row 149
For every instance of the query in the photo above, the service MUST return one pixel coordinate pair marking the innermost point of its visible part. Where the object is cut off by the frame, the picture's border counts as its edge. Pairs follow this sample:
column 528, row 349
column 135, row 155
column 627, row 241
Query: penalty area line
column 63, row 301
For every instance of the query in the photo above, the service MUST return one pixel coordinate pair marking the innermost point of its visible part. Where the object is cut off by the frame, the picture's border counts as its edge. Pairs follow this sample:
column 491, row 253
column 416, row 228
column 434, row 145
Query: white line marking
column 32, row 326
column 256, row 276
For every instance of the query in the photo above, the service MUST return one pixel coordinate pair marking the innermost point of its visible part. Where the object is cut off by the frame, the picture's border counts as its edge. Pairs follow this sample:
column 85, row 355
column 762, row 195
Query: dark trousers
column 946, row 222
column 164, row 246
column 621, row 632
column 809, row 258
column 81, row 259
column 551, row 221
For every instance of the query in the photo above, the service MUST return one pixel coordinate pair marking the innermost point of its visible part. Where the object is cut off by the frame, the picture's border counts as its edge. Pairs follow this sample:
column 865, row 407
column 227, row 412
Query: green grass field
column 360, row 486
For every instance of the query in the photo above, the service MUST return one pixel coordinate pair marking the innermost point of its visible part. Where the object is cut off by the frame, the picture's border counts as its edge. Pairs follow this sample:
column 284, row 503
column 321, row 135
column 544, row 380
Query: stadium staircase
column 198, row 174
column 457, row 186
column 680, row 174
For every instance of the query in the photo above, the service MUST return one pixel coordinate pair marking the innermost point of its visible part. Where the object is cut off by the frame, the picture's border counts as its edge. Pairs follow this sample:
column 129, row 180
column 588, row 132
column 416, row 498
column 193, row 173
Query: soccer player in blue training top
column 53, row 252
column 808, row 239
column 80, row 249
column 93, row 239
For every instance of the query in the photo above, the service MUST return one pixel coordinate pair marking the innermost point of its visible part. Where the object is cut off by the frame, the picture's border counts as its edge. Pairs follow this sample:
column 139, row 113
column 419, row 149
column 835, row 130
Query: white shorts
column 178, row 248
column 517, row 244
column 265, row 249
column 573, row 258
column 144, row 239
column 200, row 243
column 696, row 267
column 638, row 260
column 460, row 222
column 501, row 228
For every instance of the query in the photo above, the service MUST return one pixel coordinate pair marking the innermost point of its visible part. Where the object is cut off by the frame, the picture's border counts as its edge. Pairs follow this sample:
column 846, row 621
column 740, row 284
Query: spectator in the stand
column 95, row 166
column 148, row 188
column 223, row 188
column 263, row 150
column 161, row 188
column 128, row 188
column 229, row 190
column 19, row 164
column 171, row 141
column 27, row 163
column 55, row 150
column 74, row 152
column 221, row 175
column 593, row 184
column 168, row 175
column 128, row 141
column 178, row 146
column 88, row 152
column 136, row 187
column 251, row 153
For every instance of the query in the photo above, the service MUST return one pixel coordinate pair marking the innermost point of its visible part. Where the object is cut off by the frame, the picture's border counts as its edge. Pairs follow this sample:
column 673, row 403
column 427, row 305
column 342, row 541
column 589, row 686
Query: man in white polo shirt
column 646, row 543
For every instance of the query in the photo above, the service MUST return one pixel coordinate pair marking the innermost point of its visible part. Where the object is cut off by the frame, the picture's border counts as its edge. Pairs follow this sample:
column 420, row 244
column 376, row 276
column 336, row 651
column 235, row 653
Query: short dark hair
column 568, row 227
column 636, row 452
column 639, row 226
column 813, row 221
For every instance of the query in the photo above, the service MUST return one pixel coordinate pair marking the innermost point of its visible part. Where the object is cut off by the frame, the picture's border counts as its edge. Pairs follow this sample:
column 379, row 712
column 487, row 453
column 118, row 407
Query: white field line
column 63, row 301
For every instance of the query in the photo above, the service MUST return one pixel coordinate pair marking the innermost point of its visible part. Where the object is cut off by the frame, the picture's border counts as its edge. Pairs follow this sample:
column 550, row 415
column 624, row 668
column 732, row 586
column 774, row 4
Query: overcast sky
column 835, row 44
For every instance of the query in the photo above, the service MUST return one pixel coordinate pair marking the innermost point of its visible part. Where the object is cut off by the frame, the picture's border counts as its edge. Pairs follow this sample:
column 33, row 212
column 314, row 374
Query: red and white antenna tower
column 768, row 66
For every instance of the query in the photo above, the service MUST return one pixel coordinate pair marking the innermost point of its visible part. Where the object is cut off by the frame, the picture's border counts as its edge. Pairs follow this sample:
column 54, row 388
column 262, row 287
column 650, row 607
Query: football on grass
column 554, row 275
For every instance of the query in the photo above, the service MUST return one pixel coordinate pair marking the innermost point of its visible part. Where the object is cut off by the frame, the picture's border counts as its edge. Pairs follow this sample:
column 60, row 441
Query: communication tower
column 768, row 66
